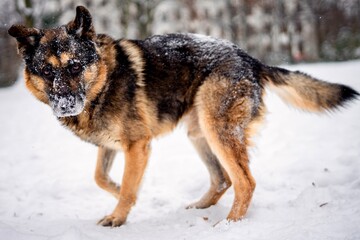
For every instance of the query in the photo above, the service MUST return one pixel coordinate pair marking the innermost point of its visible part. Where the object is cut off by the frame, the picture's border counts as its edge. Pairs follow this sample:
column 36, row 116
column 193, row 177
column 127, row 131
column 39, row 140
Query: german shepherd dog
column 120, row 94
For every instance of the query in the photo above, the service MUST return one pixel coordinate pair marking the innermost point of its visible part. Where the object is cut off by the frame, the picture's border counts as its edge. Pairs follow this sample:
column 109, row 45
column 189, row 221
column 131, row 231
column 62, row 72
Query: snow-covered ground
column 307, row 168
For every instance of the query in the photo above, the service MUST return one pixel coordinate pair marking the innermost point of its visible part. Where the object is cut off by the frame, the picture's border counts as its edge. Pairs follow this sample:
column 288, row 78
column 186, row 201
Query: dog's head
column 61, row 64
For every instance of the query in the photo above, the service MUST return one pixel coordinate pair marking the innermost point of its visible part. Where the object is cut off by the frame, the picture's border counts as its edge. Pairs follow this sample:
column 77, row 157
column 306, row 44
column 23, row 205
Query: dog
column 120, row 94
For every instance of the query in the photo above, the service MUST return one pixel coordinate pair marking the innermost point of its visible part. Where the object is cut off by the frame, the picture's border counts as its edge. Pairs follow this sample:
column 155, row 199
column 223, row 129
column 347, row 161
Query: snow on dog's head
column 62, row 65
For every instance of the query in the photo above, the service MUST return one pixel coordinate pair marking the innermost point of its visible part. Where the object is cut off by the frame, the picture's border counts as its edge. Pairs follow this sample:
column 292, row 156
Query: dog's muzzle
column 67, row 105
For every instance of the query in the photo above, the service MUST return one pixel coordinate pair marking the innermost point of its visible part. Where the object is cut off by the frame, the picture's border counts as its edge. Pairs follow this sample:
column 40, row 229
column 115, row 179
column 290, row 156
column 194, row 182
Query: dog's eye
column 47, row 71
column 75, row 68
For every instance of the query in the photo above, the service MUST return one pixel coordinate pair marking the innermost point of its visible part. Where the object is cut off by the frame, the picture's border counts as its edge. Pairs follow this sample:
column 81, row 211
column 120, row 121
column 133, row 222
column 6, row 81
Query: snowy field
column 307, row 168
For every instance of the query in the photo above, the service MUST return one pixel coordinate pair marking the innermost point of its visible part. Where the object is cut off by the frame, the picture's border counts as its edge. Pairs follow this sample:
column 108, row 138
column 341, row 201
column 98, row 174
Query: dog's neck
column 106, row 49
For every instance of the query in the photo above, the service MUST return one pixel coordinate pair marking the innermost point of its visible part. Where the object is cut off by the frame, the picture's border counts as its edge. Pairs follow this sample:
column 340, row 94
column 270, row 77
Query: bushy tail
column 306, row 92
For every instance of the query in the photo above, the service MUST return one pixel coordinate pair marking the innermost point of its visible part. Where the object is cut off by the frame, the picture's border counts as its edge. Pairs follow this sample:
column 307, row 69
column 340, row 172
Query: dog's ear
column 82, row 24
column 26, row 37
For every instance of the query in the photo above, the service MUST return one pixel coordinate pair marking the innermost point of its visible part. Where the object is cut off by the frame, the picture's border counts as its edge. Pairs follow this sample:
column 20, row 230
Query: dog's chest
column 105, row 138
column 98, row 134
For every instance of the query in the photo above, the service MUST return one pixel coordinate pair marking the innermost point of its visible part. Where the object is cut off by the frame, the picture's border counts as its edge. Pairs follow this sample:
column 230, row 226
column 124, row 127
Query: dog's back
column 176, row 65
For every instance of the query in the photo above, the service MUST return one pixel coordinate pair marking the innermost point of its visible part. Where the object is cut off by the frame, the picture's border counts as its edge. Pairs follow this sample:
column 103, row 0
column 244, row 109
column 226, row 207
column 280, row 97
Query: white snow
column 307, row 168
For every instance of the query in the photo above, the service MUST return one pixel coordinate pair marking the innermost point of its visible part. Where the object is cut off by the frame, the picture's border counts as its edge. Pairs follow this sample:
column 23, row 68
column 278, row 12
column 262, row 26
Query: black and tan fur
column 120, row 94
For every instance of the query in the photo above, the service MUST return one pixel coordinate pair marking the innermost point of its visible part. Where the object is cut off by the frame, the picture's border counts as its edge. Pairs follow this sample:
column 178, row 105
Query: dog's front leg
column 104, row 162
column 136, row 157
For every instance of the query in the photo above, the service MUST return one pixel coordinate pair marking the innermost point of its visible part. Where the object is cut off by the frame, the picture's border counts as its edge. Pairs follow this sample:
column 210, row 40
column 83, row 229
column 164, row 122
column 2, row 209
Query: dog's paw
column 199, row 205
column 111, row 221
column 192, row 206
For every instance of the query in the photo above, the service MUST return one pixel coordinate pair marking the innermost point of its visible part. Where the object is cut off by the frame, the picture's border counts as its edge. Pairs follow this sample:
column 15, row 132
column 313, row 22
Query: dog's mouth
column 67, row 105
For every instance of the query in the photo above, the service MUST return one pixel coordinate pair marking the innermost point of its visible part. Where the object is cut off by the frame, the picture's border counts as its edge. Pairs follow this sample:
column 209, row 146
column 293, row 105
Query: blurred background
column 274, row 31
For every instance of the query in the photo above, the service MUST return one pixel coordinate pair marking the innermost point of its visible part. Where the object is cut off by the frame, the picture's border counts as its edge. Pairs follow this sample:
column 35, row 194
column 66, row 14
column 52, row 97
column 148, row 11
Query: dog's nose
column 66, row 102
column 68, row 106
column 63, row 90
column 60, row 87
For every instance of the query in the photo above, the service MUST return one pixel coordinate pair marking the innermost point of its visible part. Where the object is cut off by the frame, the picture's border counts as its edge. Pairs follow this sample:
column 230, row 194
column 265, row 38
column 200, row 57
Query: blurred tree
column 338, row 28
column 39, row 13
column 9, row 60
column 136, row 17
column 308, row 34
column 30, row 13
column 25, row 9
column 274, row 31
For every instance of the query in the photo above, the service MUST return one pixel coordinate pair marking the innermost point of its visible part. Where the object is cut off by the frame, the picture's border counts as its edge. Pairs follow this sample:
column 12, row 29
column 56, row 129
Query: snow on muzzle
column 67, row 105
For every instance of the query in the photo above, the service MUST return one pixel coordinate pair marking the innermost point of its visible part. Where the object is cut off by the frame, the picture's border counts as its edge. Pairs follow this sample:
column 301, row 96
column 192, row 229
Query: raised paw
column 111, row 221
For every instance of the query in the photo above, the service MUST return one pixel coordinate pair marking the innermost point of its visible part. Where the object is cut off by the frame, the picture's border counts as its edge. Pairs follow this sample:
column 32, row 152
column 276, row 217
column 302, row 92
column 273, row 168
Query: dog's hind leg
column 104, row 163
column 226, row 110
column 219, row 180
